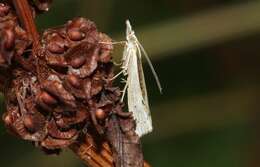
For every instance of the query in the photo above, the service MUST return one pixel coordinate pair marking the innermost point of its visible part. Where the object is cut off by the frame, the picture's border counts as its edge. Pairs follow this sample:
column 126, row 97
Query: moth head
column 130, row 34
column 128, row 26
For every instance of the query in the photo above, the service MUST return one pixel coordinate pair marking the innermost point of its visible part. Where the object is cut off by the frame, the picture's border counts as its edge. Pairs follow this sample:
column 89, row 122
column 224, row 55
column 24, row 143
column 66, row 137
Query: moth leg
column 124, row 91
column 117, row 75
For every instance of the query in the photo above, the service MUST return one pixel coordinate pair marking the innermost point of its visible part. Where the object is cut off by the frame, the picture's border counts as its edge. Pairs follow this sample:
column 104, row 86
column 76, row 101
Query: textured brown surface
column 62, row 96
column 125, row 144
column 94, row 155
column 14, row 40
column 58, row 89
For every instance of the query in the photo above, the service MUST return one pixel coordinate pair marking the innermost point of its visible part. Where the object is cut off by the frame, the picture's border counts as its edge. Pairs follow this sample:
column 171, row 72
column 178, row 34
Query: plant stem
column 24, row 13
column 93, row 156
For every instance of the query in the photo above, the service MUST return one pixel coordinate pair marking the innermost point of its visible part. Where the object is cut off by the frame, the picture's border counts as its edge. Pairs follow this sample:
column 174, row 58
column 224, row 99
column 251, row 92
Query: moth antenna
column 151, row 66
column 114, row 43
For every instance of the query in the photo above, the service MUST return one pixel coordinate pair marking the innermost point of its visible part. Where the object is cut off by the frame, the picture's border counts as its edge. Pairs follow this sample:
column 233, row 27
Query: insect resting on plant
column 135, row 82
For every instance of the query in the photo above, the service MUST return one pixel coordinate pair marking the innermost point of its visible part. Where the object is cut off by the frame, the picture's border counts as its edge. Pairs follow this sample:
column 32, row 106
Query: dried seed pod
column 55, row 48
column 81, row 24
column 47, row 98
column 56, row 44
column 56, row 88
column 89, row 67
column 74, row 81
column 53, row 144
column 56, row 133
column 42, row 5
column 4, row 9
column 100, row 114
column 75, row 35
column 64, row 122
column 78, row 62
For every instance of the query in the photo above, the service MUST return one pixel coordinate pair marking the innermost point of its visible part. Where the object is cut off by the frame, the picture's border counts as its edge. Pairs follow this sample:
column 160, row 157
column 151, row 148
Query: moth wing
column 137, row 95
column 142, row 79
column 143, row 88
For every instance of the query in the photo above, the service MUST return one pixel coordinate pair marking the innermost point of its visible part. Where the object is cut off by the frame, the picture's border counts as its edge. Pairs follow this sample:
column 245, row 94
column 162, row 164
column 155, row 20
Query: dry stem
column 89, row 153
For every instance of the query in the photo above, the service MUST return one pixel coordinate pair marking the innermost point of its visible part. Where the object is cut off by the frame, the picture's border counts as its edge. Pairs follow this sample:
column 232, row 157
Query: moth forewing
column 142, row 81
column 137, row 96
column 128, row 29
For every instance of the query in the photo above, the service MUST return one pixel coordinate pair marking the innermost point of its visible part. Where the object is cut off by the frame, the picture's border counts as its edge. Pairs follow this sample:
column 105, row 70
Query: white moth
column 135, row 82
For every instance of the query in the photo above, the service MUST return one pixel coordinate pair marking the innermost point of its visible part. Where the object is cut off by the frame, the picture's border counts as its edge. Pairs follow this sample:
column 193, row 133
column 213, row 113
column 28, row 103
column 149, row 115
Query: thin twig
column 24, row 13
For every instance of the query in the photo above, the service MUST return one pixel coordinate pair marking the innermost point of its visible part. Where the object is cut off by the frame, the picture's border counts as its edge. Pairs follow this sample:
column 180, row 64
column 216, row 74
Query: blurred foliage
column 215, row 148
column 208, row 111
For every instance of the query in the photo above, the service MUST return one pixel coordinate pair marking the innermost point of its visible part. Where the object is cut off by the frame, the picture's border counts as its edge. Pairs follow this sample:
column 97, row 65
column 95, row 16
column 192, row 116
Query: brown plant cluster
column 59, row 90
column 66, row 85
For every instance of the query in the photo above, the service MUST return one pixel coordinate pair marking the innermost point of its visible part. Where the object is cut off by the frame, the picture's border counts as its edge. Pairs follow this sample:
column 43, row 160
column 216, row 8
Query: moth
column 135, row 83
